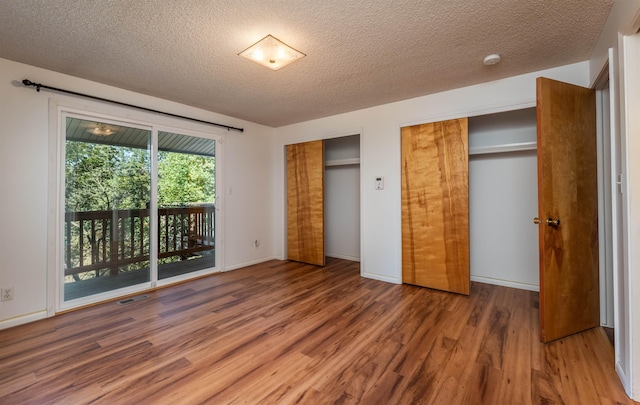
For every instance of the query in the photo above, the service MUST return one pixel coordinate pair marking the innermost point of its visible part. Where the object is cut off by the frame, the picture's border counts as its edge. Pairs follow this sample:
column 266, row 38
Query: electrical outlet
column 6, row 294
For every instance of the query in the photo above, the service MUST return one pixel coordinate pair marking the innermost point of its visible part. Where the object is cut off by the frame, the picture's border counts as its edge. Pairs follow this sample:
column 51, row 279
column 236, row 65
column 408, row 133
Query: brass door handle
column 553, row 222
column 549, row 221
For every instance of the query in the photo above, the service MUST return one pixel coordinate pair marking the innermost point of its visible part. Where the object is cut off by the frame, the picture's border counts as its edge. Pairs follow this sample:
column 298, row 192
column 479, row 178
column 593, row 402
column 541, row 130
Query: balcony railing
column 118, row 240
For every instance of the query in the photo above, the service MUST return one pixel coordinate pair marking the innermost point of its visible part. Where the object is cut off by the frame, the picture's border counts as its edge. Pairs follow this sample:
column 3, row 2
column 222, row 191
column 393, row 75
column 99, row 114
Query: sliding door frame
column 58, row 111
column 219, row 220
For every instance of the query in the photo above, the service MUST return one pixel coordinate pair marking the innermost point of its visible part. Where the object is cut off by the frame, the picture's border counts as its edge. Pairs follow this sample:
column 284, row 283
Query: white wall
column 379, row 129
column 621, row 18
column 24, row 134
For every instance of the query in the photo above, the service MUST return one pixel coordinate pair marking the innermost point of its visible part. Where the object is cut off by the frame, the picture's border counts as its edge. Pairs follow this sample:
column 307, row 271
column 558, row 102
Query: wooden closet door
column 305, row 202
column 435, row 206
column 567, row 209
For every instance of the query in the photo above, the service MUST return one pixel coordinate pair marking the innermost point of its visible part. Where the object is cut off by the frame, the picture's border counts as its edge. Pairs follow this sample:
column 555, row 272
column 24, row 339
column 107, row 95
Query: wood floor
column 284, row 332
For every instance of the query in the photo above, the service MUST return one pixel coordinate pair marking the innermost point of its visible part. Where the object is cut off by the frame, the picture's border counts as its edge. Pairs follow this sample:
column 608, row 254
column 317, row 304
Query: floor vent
column 133, row 299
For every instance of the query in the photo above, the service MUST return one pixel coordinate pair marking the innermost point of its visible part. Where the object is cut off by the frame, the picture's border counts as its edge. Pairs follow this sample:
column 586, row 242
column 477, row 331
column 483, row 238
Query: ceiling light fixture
column 102, row 130
column 491, row 59
column 272, row 53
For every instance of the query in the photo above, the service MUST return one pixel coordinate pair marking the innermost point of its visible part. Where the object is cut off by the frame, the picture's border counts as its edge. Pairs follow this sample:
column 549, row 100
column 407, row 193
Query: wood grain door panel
column 305, row 202
column 435, row 205
column 567, row 190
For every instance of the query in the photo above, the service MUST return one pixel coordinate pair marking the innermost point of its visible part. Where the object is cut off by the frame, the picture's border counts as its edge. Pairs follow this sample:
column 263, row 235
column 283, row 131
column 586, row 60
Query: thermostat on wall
column 379, row 183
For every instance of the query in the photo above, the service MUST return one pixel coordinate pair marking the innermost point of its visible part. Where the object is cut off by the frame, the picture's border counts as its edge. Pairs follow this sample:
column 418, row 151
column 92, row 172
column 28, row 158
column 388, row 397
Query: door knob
column 549, row 221
column 553, row 222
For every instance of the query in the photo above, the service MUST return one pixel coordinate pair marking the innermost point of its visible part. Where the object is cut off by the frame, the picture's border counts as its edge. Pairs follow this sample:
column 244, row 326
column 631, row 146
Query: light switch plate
column 379, row 183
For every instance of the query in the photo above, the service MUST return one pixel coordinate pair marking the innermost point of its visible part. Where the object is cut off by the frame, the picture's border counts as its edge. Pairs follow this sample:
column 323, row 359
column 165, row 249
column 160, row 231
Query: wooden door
column 567, row 191
column 435, row 205
column 305, row 202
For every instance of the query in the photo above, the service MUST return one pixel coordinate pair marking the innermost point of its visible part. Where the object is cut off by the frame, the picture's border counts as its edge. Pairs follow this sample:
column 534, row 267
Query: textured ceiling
column 359, row 53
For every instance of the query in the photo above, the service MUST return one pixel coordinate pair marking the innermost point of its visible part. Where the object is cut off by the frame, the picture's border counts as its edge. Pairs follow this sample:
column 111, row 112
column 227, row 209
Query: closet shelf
column 510, row 147
column 342, row 162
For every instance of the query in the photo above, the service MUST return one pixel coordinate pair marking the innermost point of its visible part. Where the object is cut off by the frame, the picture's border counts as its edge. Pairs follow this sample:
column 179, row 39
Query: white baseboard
column 250, row 263
column 624, row 379
column 381, row 278
column 506, row 283
column 345, row 257
column 21, row 320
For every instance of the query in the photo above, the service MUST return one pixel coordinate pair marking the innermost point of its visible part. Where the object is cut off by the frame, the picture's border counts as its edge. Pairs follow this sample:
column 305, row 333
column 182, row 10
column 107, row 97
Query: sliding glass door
column 139, row 208
column 107, row 195
column 186, row 210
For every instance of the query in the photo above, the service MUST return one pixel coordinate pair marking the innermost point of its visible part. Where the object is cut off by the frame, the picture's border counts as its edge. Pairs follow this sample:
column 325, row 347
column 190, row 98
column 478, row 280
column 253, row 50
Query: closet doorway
column 342, row 197
column 503, row 198
column 323, row 200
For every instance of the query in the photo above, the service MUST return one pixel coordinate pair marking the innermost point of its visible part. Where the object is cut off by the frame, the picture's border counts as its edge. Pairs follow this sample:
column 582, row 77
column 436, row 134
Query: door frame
column 628, row 285
column 606, row 160
column 616, row 196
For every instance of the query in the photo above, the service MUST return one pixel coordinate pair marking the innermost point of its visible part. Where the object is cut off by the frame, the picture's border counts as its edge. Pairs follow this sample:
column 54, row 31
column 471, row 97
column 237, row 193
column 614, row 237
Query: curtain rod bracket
column 37, row 86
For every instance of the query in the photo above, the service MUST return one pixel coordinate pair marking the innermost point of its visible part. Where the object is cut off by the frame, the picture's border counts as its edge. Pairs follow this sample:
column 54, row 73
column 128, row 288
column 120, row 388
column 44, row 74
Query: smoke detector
column 491, row 59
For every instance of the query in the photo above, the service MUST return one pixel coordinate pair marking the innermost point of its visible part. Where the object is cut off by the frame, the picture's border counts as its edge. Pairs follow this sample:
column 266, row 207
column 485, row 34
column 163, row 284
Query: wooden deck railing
column 101, row 240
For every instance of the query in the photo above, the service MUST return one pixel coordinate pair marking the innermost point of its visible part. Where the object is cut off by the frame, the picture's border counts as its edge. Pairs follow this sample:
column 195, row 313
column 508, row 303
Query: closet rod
column 39, row 86
column 505, row 148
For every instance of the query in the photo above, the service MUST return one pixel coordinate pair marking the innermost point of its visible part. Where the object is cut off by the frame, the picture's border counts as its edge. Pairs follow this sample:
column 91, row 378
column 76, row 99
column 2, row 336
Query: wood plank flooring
column 284, row 332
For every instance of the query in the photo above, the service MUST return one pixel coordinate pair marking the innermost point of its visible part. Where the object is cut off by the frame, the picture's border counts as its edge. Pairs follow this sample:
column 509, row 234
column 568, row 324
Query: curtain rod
column 39, row 86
